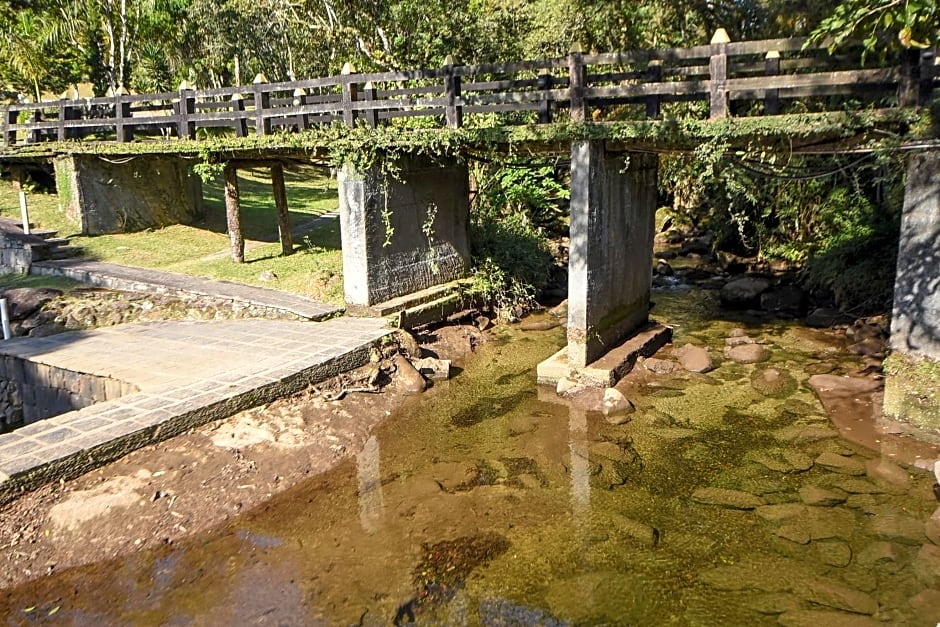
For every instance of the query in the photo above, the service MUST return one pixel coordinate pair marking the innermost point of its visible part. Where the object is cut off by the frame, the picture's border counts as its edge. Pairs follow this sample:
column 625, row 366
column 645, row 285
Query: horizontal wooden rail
column 736, row 78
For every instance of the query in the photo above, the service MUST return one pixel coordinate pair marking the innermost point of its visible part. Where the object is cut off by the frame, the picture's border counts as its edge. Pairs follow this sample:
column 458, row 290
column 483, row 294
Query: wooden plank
column 511, row 68
column 763, row 46
column 881, row 76
column 577, row 107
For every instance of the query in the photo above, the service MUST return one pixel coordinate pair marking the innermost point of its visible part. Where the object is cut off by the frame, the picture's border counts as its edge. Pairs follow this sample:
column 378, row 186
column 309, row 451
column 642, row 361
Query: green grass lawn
column 201, row 249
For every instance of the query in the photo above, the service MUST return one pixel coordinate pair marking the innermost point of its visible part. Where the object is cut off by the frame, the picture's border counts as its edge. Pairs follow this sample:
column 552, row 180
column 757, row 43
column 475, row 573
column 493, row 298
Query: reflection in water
column 580, row 462
column 371, row 500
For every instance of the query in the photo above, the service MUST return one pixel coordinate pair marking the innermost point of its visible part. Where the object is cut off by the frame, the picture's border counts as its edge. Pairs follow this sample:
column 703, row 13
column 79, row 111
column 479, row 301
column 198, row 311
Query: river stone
column 834, row 553
column 814, row 495
column 820, row 367
column 794, row 533
column 616, row 404
column 646, row 535
column 773, row 382
column 781, row 460
column 804, row 434
column 781, row 511
column 864, row 502
column 892, row 524
column 743, row 292
column 774, row 603
column 840, row 464
column 834, row 595
column 568, row 387
column 927, row 565
column 885, row 470
column 788, row 299
column 739, row 340
column 732, row 499
column 877, row 553
column 823, row 317
column 870, row 347
column 747, row 353
column 932, row 529
column 855, row 486
column 412, row 381
column 752, row 574
column 659, row 366
column 927, row 605
column 694, row 358
column 612, row 451
column 825, row 618
column 433, row 368
column 408, row 343
column 24, row 301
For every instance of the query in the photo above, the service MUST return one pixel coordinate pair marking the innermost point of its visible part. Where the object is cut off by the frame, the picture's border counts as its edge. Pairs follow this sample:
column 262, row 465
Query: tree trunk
column 233, row 214
column 280, row 201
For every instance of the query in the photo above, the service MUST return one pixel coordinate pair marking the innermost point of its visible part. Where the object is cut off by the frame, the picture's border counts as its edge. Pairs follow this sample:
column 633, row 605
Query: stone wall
column 46, row 391
column 403, row 233
column 15, row 255
column 131, row 194
column 11, row 405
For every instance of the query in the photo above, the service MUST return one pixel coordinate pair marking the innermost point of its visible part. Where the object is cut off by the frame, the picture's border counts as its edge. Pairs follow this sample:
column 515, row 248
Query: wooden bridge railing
column 740, row 78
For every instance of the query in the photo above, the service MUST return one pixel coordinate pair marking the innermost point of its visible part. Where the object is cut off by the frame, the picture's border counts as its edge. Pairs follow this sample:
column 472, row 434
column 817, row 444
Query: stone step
column 45, row 234
column 434, row 311
column 64, row 252
column 396, row 305
column 57, row 241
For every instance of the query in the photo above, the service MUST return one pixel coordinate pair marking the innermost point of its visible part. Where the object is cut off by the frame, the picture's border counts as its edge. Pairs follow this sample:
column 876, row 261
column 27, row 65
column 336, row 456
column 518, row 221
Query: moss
column 911, row 390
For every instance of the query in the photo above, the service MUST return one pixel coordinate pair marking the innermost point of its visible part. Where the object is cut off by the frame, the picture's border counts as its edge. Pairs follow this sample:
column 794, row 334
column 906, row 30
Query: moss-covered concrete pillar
column 122, row 194
column 403, row 233
column 613, row 206
column 912, row 384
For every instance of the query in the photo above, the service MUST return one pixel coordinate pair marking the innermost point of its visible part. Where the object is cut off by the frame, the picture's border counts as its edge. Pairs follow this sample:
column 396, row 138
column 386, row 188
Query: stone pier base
column 912, row 383
column 127, row 194
column 404, row 233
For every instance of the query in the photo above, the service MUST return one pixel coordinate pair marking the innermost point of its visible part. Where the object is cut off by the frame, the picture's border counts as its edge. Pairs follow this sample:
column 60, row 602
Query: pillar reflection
column 371, row 499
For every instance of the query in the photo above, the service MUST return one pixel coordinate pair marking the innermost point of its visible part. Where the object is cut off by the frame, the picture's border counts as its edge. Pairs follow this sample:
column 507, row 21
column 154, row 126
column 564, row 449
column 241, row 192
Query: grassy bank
column 202, row 249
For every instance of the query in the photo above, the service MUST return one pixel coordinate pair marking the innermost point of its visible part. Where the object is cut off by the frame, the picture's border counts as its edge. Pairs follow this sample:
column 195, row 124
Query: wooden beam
column 233, row 217
column 280, row 201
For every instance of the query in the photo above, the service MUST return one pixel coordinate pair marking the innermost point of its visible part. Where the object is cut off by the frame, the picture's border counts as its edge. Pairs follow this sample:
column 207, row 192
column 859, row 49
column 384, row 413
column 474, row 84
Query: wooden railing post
column 238, row 108
column 123, row 132
column 350, row 95
column 577, row 77
column 371, row 116
column 10, row 116
column 928, row 70
column 185, row 127
column 262, row 104
column 718, row 75
column 544, row 83
column 654, row 74
column 772, row 96
column 303, row 119
column 909, row 82
column 66, row 112
column 453, row 112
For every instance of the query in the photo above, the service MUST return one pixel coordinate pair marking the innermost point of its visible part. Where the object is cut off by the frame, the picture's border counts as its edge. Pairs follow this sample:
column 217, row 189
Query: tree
column 912, row 23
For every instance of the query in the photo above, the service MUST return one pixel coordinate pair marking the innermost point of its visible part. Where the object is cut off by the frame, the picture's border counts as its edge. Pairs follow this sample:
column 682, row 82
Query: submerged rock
column 744, row 292
column 837, row 596
column 773, row 382
column 747, row 353
column 732, row 499
column 821, row 497
column 659, row 366
column 834, row 553
column 927, row 565
column 694, row 358
column 840, row 464
column 781, row 460
column 828, row 618
column 803, row 434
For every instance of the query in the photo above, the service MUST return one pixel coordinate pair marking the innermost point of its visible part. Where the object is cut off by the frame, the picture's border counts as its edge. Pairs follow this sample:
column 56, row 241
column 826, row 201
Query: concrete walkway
column 117, row 277
column 184, row 373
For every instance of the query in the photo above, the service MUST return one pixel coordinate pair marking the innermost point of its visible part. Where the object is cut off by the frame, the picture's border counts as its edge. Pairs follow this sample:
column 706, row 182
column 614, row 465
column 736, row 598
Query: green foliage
column 537, row 193
column 879, row 23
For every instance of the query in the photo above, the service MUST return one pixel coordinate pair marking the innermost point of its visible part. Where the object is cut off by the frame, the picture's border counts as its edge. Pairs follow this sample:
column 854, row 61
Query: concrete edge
column 77, row 463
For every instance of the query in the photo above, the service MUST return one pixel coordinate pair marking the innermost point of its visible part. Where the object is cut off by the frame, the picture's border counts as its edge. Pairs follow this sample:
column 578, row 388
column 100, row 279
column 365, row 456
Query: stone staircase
column 52, row 246
column 18, row 250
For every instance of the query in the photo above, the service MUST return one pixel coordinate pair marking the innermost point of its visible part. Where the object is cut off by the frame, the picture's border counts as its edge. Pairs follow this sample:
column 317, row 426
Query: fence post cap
column 184, row 85
column 773, row 54
column 449, row 60
column 576, row 47
column 721, row 37
column 300, row 91
column 236, row 97
column 348, row 68
column 260, row 79
column 369, row 85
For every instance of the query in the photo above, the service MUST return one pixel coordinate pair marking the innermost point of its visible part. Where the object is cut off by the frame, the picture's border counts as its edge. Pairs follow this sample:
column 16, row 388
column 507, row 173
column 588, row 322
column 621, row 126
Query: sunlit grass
column 202, row 249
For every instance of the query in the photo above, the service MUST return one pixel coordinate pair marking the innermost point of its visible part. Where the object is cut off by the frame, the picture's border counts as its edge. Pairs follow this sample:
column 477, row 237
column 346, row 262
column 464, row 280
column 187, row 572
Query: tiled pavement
column 187, row 373
column 141, row 279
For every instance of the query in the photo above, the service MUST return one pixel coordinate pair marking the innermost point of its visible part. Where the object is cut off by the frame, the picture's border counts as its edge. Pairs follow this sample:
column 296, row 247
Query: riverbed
column 491, row 501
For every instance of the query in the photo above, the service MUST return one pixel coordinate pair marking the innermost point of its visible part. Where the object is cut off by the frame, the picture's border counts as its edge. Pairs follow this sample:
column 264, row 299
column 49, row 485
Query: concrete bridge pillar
column 613, row 207
column 404, row 233
column 912, row 384
column 122, row 195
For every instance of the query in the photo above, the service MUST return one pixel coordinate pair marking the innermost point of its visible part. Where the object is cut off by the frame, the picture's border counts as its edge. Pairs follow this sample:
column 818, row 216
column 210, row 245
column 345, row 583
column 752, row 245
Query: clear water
column 489, row 501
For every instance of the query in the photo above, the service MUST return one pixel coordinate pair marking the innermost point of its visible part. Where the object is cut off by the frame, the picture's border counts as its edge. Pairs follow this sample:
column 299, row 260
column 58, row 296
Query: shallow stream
column 489, row 501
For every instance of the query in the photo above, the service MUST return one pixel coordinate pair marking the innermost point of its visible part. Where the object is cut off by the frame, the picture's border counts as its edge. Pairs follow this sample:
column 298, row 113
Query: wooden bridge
column 751, row 78
column 408, row 234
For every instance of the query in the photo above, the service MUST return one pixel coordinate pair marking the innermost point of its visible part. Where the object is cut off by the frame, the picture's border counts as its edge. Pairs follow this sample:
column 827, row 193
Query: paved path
column 117, row 277
column 175, row 375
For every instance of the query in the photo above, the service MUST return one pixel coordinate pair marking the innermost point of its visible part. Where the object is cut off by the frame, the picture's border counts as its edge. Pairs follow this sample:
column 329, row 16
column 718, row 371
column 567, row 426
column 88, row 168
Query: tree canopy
column 150, row 45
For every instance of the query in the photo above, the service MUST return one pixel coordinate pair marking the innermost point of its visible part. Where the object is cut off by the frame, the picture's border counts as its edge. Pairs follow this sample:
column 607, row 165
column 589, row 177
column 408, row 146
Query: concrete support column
column 613, row 206
column 127, row 194
column 912, row 384
column 403, row 233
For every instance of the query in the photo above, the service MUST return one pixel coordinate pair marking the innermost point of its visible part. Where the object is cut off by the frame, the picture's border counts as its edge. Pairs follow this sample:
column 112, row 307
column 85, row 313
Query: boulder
column 694, row 358
column 615, row 403
column 747, row 353
column 412, row 381
column 824, row 317
column 408, row 343
column 743, row 292
column 435, row 369
column 663, row 269
column 24, row 301
column 732, row 499
column 788, row 299
column 697, row 245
